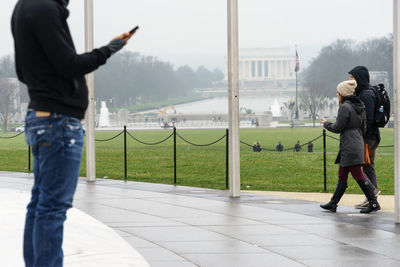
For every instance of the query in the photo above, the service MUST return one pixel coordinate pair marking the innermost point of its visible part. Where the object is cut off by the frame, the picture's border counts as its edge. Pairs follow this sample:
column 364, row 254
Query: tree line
column 131, row 78
column 334, row 61
column 127, row 79
column 331, row 66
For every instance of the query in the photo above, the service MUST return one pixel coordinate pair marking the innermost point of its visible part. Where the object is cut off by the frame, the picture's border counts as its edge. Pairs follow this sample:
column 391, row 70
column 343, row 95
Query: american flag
column 297, row 68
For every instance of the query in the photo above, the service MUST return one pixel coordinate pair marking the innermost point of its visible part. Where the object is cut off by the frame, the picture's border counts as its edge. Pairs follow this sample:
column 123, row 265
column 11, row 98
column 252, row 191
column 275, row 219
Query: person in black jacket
column 351, row 125
column 279, row 147
column 363, row 90
column 47, row 62
column 310, row 147
column 297, row 146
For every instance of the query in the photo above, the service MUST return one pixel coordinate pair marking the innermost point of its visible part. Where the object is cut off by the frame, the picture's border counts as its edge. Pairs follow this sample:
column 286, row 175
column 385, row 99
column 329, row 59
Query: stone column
column 269, row 68
column 246, row 69
column 262, row 70
column 256, row 69
column 288, row 69
column 90, row 114
column 396, row 84
column 233, row 96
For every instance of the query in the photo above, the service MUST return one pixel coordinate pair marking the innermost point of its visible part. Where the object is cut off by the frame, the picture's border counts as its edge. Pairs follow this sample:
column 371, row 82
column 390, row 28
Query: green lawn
column 205, row 166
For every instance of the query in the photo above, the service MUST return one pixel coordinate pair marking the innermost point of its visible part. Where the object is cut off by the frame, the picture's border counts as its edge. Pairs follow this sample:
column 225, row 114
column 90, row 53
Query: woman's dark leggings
column 355, row 171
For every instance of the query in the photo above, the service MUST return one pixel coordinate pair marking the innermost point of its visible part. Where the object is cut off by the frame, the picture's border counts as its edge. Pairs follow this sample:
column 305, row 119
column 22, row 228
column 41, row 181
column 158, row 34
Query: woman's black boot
column 332, row 205
column 368, row 190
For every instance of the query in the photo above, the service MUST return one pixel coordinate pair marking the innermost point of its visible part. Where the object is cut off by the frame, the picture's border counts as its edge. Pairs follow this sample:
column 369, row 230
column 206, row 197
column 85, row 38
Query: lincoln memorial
column 266, row 64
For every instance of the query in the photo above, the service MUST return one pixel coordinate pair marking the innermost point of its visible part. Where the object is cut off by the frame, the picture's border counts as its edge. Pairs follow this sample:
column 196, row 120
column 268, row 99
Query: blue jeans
column 56, row 143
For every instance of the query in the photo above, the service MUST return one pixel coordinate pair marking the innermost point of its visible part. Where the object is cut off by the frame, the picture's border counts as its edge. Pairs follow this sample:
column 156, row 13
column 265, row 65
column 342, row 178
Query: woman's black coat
column 351, row 124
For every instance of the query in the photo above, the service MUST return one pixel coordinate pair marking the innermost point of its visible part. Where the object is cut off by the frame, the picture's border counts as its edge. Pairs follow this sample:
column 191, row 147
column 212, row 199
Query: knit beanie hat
column 347, row 88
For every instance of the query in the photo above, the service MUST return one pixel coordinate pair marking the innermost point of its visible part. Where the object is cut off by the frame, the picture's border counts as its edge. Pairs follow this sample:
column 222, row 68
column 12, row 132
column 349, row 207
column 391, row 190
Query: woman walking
column 351, row 124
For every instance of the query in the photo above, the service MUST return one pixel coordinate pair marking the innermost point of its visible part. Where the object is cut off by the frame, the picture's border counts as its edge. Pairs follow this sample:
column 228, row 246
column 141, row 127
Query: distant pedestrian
column 310, row 147
column 257, row 147
column 297, row 146
column 351, row 124
column 279, row 147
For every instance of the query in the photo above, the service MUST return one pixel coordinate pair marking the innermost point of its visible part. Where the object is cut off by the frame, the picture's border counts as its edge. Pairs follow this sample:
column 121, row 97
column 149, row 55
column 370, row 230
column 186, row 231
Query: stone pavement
column 184, row 226
column 386, row 202
column 87, row 241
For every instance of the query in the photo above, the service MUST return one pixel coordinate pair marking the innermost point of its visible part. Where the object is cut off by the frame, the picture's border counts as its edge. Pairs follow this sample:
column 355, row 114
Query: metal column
column 396, row 84
column 90, row 113
column 233, row 98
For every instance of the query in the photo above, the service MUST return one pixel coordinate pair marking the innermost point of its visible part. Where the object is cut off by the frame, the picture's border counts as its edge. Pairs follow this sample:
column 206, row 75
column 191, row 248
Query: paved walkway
column 87, row 241
column 349, row 200
column 184, row 226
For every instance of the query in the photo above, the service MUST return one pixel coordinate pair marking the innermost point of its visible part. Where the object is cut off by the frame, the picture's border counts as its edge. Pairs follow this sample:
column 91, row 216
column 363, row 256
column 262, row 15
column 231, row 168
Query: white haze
column 194, row 31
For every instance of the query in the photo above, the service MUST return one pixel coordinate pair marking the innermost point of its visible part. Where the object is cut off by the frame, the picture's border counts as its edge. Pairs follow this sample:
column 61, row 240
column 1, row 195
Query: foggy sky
column 194, row 31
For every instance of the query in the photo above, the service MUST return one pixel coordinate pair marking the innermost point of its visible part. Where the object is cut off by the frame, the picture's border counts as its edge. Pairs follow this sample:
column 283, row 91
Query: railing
column 175, row 134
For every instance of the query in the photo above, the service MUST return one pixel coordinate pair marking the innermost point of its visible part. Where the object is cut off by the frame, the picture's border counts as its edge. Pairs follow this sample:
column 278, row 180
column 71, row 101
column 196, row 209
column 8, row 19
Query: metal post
column 125, row 158
column 396, row 84
column 227, row 161
column 90, row 124
column 324, row 145
column 174, row 155
column 29, row 158
column 233, row 98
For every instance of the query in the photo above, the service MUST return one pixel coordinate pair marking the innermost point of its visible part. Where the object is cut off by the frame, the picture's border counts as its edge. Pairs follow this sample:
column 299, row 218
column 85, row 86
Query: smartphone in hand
column 132, row 32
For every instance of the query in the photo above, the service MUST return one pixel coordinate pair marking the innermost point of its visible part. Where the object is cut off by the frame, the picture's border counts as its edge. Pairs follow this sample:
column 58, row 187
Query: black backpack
column 382, row 105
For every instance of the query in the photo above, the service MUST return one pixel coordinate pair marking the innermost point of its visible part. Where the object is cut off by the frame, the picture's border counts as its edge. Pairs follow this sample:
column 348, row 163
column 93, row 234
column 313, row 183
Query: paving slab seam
column 159, row 245
column 231, row 237
column 344, row 221
column 228, row 236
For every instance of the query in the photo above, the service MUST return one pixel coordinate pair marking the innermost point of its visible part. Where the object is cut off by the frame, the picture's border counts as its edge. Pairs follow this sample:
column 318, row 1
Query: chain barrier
column 286, row 149
column 174, row 134
column 335, row 138
column 306, row 143
column 244, row 143
column 10, row 137
column 109, row 139
column 247, row 144
column 193, row 144
column 149, row 144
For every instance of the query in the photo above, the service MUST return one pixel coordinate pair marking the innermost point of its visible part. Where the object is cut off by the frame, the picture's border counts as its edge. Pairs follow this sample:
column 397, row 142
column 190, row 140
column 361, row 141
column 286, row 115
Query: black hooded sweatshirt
column 46, row 59
column 367, row 95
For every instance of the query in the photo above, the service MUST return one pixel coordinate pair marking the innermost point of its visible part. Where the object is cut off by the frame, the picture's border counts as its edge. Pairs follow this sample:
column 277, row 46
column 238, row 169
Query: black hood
column 361, row 74
column 356, row 102
column 64, row 4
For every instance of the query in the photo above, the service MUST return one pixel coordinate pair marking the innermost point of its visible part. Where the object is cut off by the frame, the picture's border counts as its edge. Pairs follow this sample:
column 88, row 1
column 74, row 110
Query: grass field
column 205, row 166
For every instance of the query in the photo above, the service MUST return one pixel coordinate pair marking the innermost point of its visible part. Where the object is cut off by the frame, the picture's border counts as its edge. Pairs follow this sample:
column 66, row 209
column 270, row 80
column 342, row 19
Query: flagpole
column 297, row 97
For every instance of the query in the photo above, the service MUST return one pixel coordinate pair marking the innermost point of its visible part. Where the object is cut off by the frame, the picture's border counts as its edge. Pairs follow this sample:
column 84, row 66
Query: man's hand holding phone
column 121, row 40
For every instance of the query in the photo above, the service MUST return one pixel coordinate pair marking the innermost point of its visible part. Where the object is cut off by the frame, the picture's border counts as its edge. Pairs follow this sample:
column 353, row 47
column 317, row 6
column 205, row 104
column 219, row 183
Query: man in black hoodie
column 47, row 62
column 367, row 95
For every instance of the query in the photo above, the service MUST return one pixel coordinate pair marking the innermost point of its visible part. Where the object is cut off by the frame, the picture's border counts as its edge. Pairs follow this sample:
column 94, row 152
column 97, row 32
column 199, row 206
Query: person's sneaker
column 377, row 192
column 362, row 205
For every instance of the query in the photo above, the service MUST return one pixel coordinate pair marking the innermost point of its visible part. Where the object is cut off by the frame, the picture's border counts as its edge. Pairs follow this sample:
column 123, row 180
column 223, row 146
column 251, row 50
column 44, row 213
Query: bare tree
column 312, row 99
column 8, row 100
column 7, row 68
